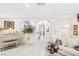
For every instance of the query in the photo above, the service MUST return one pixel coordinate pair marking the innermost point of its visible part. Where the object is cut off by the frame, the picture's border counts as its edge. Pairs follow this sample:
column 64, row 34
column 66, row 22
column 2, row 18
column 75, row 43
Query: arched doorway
column 43, row 30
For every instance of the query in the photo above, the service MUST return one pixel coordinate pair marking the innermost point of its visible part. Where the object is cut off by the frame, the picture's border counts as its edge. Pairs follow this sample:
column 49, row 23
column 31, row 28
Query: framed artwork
column 75, row 33
column 8, row 24
column 75, row 27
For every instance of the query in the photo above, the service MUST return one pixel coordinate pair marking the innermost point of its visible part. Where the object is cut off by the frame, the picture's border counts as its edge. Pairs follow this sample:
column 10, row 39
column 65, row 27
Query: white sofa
column 67, row 51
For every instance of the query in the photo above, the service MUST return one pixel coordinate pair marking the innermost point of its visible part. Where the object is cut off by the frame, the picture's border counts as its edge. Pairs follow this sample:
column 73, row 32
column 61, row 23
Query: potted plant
column 28, row 30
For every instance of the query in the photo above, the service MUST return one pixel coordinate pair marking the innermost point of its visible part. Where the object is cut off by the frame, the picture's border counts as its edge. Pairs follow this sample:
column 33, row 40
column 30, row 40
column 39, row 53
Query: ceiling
column 48, row 10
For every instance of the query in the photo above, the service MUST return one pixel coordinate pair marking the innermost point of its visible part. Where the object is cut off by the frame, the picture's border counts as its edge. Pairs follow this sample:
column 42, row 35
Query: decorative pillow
column 59, row 42
column 76, row 48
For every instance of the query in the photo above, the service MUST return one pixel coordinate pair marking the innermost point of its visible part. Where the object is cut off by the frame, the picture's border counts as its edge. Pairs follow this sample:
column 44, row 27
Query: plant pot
column 27, row 38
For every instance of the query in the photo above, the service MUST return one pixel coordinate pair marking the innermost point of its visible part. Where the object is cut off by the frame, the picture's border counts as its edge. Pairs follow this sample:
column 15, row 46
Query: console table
column 9, row 40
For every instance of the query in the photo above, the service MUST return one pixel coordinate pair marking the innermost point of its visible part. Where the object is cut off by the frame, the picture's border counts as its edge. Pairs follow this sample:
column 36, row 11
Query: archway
column 43, row 30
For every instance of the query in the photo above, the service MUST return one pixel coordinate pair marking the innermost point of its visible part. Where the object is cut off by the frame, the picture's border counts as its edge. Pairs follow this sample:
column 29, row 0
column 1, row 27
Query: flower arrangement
column 52, row 48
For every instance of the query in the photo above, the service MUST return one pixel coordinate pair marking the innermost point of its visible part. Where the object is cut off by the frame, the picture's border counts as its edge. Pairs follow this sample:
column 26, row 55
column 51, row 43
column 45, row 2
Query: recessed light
column 27, row 5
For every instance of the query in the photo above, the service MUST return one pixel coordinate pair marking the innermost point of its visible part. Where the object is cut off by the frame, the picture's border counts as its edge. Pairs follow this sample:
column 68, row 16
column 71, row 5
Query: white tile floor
column 38, row 49
column 24, row 50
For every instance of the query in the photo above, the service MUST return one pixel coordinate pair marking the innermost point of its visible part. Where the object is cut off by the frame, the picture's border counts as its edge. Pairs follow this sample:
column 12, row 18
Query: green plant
column 1, row 29
column 28, row 29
